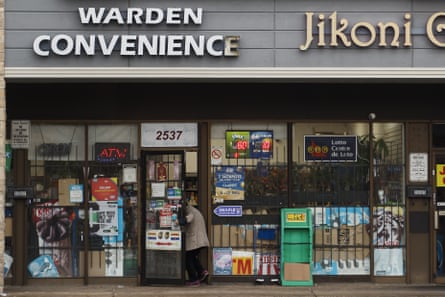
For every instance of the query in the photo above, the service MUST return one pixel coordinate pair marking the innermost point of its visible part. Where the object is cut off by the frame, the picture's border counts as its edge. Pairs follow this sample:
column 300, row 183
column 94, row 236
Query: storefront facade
column 117, row 113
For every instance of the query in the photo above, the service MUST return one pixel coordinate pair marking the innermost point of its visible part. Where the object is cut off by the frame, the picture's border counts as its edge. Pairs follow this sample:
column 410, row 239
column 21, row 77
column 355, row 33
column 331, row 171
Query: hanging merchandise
column 162, row 172
column 151, row 169
column 176, row 170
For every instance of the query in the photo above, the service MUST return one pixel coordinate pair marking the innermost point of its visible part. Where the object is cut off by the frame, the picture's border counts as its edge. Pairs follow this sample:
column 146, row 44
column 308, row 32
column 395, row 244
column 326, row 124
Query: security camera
column 371, row 116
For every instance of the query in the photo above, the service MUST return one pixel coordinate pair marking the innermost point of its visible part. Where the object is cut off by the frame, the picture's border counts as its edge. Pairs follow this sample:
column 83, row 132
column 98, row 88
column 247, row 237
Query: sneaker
column 194, row 284
column 204, row 275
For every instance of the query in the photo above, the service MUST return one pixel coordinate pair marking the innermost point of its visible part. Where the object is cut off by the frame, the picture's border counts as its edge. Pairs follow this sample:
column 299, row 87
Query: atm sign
column 296, row 217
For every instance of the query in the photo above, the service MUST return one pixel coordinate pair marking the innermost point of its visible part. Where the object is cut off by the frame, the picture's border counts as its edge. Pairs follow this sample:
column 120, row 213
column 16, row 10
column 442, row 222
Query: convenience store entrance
column 163, row 204
column 167, row 183
column 168, row 160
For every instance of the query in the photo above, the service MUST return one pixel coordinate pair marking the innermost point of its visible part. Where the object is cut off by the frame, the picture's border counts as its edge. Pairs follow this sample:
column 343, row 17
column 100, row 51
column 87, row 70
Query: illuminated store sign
column 112, row 152
column 249, row 144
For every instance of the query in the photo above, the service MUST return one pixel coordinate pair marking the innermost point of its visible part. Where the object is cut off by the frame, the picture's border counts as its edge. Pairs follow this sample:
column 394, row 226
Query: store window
column 330, row 174
column 75, row 177
column 112, row 201
column 250, row 186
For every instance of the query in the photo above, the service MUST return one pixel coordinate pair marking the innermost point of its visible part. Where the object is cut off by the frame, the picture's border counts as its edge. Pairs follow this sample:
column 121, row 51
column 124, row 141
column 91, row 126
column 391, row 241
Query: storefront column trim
column 255, row 73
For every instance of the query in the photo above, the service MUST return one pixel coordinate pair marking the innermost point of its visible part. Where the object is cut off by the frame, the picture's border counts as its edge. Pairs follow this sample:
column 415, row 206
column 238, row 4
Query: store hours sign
column 169, row 135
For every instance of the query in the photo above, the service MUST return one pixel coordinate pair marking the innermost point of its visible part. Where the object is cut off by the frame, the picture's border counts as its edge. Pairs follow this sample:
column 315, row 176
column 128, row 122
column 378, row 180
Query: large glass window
column 55, row 231
column 331, row 174
column 73, row 181
column 250, row 186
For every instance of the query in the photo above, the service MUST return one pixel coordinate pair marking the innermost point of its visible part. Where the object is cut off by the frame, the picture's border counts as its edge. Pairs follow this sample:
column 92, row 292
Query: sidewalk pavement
column 356, row 289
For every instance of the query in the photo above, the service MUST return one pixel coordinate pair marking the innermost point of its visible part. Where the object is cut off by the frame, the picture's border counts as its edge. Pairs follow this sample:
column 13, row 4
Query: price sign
column 169, row 135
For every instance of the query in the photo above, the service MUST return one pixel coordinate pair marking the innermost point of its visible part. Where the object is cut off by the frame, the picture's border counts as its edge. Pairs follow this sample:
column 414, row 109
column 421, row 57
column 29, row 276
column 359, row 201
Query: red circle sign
column 216, row 154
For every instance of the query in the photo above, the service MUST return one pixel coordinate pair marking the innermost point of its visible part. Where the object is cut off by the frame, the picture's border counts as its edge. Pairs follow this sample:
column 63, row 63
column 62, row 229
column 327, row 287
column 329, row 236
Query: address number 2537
column 163, row 135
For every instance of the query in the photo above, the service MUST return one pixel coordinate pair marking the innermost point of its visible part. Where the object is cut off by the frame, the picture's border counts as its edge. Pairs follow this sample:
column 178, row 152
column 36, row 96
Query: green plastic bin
column 296, row 247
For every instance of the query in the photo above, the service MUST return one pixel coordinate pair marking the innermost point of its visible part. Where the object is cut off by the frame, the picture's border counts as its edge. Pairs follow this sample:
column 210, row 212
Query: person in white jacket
column 196, row 239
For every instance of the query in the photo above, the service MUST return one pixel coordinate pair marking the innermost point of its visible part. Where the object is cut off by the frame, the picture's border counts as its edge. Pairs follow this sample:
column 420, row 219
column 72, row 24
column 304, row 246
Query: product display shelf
column 296, row 247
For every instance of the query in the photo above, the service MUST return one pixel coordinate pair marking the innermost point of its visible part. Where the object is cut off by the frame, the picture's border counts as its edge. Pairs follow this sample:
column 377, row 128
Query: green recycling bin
column 296, row 247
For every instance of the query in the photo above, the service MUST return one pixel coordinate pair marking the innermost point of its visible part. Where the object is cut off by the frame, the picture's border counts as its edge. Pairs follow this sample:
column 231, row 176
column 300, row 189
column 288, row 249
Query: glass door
column 163, row 239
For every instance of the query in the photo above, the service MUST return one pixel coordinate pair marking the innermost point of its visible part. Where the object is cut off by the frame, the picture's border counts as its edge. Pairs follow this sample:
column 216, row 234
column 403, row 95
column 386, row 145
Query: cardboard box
column 221, row 235
column 297, row 271
column 234, row 235
column 330, row 254
column 64, row 190
column 362, row 236
column 96, row 263
column 346, row 235
column 353, row 235
column 8, row 226
column 326, row 236
column 245, row 234
column 354, row 253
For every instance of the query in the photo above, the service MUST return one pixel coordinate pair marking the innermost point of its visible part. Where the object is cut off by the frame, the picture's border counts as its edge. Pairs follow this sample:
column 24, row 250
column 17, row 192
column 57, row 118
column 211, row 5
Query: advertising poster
column 388, row 262
column 249, row 144
column 53, row 226
column 325, row 266
column 104, row 218
column 229, row 183
column 440, row 175
column 104, row 189
column 389, row 226
column 222, row 261
column 267, row 263
column 350, row 216
column 242, row 263
column 237, row 144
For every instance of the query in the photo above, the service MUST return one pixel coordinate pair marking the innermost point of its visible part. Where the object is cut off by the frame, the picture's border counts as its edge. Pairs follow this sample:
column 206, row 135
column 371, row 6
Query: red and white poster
column 267, row 264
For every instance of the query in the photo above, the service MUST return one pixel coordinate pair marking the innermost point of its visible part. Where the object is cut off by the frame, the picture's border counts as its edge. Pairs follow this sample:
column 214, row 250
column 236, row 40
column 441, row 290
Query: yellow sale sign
column 242, row 263
column 440, row 175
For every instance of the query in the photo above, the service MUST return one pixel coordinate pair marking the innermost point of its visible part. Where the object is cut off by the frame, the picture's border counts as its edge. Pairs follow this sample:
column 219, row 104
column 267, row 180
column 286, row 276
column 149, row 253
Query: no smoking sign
column 216, row 154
